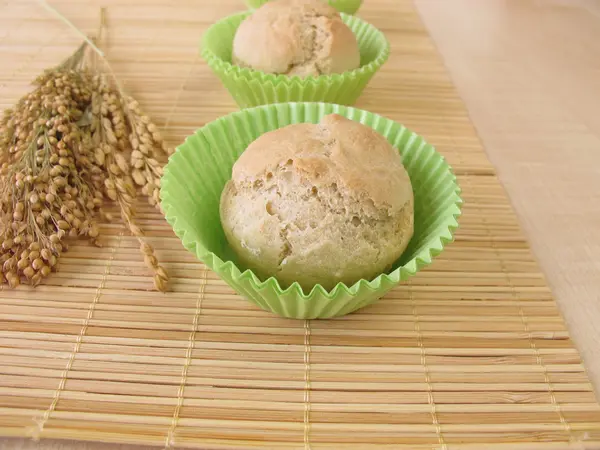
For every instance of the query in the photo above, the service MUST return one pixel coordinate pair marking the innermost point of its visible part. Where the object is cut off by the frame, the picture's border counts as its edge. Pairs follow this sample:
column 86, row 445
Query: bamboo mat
column 471, row 354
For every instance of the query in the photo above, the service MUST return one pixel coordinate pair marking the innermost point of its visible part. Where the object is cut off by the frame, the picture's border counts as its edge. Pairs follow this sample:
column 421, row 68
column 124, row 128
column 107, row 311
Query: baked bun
column 319, row 204
column 296, row 37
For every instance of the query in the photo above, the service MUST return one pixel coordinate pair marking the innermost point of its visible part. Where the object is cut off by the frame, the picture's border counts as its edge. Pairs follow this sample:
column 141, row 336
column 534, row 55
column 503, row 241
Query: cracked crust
column 296, row 37
column 319, row 204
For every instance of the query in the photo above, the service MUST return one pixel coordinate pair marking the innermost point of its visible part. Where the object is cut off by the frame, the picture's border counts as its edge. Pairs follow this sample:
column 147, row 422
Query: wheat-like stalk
column 74, row 142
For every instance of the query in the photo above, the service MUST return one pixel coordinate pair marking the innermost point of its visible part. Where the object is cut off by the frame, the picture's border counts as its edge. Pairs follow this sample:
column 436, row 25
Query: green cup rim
column 356, row 4
column 244, row 72
column 423, row 257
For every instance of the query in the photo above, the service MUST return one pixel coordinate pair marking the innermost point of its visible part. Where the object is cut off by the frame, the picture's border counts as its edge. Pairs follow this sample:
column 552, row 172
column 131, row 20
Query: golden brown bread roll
column 319, row 204
column 296, row 37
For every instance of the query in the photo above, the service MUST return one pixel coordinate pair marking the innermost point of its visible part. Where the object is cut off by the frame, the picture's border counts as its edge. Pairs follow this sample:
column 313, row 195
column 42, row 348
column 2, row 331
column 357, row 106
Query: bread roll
column 319, row 204
column 296, row 37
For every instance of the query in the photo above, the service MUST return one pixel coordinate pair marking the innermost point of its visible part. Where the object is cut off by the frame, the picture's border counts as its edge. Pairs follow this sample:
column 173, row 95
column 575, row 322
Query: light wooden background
column 529, row 72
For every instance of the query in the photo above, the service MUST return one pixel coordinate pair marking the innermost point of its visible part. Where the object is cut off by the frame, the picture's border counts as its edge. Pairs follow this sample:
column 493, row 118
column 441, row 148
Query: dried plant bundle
column 76, row 141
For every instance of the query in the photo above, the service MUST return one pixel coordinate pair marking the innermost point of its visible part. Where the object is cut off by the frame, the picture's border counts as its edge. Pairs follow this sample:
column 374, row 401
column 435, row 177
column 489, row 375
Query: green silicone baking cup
column 252, row 87
column 196, row 174
column 345, row 6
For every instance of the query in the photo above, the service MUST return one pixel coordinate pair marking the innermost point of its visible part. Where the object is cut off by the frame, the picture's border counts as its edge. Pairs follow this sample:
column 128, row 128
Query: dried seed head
column 110, row 137
column 144, row 136
column 160, row 283
column 151, row 261
column 46, row 254
column 122, row 163
column 100, row 156
column 60, row 181
column 157, row 137
column 13, row 279
column 37, row 264
column 138, row 177
column 36, row 279
column 160, row 271
column 9, row 264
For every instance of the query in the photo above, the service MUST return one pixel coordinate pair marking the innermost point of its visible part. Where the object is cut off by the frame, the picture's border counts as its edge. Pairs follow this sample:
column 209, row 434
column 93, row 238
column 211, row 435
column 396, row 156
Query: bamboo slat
column 472, row 353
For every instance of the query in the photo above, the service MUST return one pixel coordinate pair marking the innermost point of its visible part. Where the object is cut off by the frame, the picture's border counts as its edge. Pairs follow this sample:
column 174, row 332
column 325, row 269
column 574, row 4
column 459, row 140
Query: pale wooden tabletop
column 529, row 73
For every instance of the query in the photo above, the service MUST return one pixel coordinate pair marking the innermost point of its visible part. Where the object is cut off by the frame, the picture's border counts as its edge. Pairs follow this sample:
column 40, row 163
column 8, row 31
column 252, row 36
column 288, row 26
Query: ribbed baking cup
column 345, row 6
column 196, row 174
column 252, row 87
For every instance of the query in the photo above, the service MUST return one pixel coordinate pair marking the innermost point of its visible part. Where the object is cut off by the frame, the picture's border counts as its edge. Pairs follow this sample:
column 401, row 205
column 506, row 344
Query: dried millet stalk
column 147, row 145
column 43, row 197
column 66, row 146
column 115, row 129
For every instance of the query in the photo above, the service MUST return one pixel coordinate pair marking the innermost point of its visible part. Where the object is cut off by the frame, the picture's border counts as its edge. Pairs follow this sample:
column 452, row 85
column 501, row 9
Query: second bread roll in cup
column 296, row 37
column 319, row 204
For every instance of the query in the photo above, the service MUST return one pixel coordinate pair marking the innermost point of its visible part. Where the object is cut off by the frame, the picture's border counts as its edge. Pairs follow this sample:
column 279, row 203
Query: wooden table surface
column 529, row 73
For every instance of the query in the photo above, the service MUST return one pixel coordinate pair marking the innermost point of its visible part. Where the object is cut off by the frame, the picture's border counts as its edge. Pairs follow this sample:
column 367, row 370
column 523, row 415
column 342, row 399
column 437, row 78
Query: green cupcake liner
column 345, row 6
column 196, row 174
column 252, row 87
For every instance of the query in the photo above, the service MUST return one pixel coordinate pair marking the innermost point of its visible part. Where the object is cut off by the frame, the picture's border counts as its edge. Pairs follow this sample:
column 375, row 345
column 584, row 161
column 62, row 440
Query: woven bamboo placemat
column 471, row 354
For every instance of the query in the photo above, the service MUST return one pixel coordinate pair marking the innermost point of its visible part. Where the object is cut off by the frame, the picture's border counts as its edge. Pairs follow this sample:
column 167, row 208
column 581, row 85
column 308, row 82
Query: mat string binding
column 40, row 422
column 170, row 438
column 307, row 385
column 430, row 399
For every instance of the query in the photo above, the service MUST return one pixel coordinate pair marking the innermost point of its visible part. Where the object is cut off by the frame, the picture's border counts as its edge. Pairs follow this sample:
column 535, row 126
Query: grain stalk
column 76, row 140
